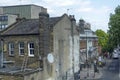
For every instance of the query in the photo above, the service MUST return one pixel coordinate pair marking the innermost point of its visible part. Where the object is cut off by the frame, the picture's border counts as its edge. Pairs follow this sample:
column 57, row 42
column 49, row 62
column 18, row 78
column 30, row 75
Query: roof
column 28, row 26
column 20, row 5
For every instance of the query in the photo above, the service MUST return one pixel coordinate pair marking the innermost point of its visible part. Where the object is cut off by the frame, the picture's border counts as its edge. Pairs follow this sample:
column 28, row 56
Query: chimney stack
column 44, row 33
column 73, row 24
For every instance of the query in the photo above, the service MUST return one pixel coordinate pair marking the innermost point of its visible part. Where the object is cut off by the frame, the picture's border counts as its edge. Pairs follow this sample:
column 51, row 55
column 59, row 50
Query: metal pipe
column 1, row 42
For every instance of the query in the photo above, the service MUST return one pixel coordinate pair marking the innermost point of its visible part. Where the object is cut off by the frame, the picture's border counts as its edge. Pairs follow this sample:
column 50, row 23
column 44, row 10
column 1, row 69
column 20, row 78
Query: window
column 31, row 49
column 21, row 48
column 3, row 26
column 3, row 18
column 11, row 49
column 0, row 27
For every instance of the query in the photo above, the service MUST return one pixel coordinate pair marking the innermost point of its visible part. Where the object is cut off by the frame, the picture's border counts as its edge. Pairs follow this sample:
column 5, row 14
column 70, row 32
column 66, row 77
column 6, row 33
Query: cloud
column 102, row 10
column 83, row 3
column 87, row 9
column 84, row 9
column 60, row 3
column 14, row 2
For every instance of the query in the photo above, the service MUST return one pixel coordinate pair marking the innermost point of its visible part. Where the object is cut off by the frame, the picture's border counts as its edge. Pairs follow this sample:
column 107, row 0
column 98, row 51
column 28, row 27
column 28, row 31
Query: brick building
column 88, row 41
column 27, row 42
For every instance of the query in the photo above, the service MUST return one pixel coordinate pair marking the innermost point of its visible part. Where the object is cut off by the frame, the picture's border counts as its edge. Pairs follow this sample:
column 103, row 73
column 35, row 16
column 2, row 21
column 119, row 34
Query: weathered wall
column 76, row 53
column 11, row 19
column 61, row 47
column 35, row 10
column 34, row 76
column 10, row 77
column 32, row 61
column 37, row 75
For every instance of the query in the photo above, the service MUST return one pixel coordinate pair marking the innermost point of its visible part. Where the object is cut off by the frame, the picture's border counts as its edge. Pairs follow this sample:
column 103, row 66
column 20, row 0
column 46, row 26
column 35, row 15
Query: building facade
column 6, row 20
column 66, row 48
column 23, row 11
column 88, row 42
column 25, row 49
column 9, row 14
column 28, row 42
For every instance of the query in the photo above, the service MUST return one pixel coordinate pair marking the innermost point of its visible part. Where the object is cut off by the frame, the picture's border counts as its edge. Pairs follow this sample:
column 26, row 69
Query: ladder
column 24, row 64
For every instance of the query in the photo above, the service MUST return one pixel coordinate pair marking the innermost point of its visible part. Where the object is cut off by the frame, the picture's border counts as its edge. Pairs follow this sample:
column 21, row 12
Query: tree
column 102, row 38
column 114, row 28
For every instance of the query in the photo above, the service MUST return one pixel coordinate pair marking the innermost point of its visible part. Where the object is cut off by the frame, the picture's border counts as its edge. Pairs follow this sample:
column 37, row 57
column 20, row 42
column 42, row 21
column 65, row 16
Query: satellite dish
column 50, row 58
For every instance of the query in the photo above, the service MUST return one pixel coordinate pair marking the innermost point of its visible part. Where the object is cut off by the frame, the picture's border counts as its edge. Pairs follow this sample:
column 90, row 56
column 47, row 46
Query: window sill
column 21, row 55
column 31, row 55
column 11, row 55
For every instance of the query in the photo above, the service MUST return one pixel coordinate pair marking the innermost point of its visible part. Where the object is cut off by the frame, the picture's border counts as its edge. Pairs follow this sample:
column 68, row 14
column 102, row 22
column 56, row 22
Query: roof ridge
column 60, row 17
column 20, row 5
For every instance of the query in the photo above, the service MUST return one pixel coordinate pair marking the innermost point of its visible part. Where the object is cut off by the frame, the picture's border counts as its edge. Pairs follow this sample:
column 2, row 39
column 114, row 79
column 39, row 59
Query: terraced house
column 26, row 44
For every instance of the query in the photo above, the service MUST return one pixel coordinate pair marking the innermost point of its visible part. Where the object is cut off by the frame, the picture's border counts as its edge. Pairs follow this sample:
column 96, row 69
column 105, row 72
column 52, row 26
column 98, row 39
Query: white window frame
column 21, row 48
column 29, row 49
column 11, row 48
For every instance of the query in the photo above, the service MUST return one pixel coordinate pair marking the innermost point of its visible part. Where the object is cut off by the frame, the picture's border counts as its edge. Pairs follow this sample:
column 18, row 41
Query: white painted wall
column 76, row 53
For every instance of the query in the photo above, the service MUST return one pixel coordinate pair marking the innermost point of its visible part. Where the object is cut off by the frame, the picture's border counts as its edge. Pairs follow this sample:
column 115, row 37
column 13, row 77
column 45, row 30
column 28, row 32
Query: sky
column 95, row 12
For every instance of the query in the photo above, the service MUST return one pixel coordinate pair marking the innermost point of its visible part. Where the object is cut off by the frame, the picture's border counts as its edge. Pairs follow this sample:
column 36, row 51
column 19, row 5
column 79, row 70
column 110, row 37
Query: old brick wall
column 33, row 61
column 9, row 77
column 82, row 44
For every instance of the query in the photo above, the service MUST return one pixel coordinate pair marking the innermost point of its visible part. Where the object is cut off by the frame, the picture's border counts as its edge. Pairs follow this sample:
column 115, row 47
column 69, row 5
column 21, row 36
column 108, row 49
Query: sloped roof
column 24, row 27
column 28, row 26
column 20, row 5
column 54, row 20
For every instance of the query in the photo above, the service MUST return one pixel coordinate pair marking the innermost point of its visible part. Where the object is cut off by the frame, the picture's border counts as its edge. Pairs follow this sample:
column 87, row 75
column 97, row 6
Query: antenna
column 68, row 10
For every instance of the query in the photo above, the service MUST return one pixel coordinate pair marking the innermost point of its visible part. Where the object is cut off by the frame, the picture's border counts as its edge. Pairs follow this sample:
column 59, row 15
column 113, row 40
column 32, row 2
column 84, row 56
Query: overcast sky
column 96, row 12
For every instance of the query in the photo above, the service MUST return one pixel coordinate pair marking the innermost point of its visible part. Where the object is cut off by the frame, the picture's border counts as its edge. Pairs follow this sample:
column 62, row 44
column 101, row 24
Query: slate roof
column 81, row 30
column 28, row 26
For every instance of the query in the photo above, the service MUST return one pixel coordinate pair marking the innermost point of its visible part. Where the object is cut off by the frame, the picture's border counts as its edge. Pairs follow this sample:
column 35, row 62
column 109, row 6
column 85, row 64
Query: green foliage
column 102, row 40
column 114, row 28
column 117, row 10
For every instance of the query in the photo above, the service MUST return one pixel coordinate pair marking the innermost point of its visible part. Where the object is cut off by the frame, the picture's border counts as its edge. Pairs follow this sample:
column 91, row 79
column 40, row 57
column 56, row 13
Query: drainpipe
column 73, row 23
column 1, row 53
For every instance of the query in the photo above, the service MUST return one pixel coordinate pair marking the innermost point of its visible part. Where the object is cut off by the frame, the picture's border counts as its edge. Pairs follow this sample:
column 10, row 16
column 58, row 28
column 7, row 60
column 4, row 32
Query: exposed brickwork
column 83, row 44
column 17, row 58
column 9, row 77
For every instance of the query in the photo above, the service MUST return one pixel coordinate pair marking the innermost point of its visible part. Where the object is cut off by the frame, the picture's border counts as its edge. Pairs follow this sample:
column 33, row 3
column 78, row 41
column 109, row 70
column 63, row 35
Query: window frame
column 31, row 48
column 11, row 48
column 21, row 48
